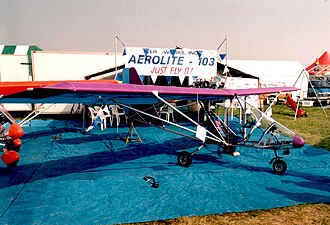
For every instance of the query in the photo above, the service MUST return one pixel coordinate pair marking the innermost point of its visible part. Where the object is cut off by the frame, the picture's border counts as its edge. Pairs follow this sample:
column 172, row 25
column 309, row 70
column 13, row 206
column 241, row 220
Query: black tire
column 10, row 145
column 184, row 159
column 279, row 166
column 229, row 149
column 12, row 165
column 206, row 84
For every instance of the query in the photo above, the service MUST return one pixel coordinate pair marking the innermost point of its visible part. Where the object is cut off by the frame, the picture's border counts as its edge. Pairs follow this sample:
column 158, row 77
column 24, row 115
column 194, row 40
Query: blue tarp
column 66, row 177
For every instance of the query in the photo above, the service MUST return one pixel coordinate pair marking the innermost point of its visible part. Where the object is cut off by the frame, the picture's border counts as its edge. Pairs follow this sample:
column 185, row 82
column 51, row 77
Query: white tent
column 274, row 73
column 15, row 66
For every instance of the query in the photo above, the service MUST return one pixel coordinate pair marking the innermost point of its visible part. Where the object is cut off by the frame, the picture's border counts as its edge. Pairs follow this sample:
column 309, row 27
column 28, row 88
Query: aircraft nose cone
column 298, row 142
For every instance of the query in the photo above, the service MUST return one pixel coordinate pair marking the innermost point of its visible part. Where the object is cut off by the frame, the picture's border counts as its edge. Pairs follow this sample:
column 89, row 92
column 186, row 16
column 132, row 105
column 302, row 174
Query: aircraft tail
column 134, row 77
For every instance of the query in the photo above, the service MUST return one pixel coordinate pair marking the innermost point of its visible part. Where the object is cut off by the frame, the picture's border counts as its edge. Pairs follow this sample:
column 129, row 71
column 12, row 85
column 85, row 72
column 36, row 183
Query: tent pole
column 317, row 97
column 226, row 50
column 298, row 97
column 198, row 109
column 115, row 55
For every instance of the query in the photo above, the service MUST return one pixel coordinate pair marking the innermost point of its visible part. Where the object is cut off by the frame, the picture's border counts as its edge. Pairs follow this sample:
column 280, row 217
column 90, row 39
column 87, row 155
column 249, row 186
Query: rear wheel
column 279, row 166
column 10, row 145
column 12, row 165
column 229, row 149
column 184, row 159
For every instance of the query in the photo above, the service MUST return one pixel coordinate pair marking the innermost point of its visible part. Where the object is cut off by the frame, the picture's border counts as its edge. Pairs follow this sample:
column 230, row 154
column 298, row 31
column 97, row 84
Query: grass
column 315, row 129
column 294, row 215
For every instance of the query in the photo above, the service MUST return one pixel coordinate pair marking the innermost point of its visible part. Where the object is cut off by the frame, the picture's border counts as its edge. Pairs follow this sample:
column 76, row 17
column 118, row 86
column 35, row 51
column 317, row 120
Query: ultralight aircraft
column 271, row 134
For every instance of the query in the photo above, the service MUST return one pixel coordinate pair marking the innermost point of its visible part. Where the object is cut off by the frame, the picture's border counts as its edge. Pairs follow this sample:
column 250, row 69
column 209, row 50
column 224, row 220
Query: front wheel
column 279, row 166
column 184, row 159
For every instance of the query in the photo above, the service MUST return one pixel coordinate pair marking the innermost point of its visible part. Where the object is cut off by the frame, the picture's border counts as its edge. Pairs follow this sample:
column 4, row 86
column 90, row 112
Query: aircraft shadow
column 303, row 197
column 77, row 164
column 95, row 161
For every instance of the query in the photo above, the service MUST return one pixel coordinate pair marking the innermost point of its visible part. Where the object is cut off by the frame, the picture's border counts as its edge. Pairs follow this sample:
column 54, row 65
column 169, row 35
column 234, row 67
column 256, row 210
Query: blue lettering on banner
column 141, row 59
column 149, row 51
column 172, row 62
column 180, row 52
column 162, row 60
column 132, row 59
column 148, row 58
column 206, row 61
column 155, row 59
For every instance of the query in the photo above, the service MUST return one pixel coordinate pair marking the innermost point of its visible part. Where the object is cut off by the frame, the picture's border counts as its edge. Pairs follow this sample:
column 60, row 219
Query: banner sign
column 172, row 62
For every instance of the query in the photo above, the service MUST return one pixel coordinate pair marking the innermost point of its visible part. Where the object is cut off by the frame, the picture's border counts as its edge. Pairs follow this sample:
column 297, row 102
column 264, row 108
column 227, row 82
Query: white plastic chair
column 107, row 114
column 167, row 111
column 100, row 112
column 97, row 108
column 94, row 114
column 116, row 112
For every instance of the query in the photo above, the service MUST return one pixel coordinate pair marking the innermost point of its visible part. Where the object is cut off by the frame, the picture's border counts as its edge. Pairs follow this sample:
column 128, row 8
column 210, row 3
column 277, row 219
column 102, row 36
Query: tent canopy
column 321, row 66
column 18, row 49
column 286, row 72
column 273, row 73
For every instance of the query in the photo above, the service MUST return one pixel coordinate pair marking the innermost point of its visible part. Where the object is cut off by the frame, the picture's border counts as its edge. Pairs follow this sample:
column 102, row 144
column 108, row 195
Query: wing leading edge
column 102, row 93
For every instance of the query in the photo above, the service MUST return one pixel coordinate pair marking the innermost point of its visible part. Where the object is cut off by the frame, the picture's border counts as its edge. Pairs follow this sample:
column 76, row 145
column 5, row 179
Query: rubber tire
column 10, row 145
column 279, row 166
column 184, row 159
column 12, row 165
column 229, row 149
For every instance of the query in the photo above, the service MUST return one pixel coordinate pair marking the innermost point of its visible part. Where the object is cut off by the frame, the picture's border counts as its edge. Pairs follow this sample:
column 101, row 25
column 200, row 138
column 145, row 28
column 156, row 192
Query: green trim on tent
column 9, row 49
column 33, row 48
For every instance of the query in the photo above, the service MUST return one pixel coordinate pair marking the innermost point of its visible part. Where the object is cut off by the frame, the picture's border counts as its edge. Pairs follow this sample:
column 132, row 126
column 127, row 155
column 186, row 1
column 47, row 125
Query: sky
column 297, row 30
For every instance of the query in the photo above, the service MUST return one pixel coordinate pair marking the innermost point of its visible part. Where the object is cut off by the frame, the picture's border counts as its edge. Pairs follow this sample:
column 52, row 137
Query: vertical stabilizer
column 134, row 77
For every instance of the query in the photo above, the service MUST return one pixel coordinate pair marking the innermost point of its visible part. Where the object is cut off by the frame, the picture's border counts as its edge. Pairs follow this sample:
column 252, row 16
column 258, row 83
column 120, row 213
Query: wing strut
column 264, row 114
column 214, row 138
column 39, row 110
column 188, row 118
